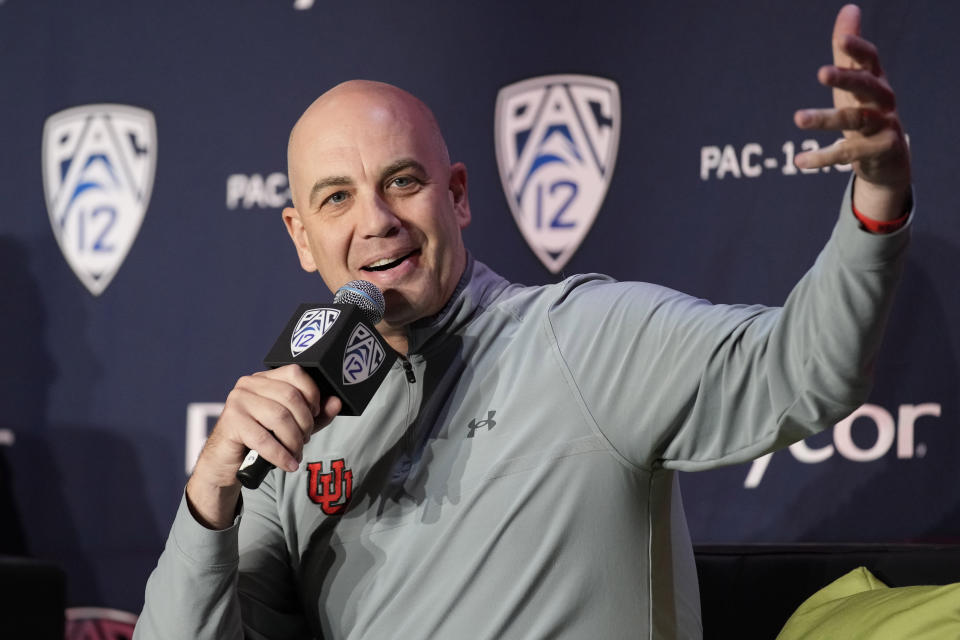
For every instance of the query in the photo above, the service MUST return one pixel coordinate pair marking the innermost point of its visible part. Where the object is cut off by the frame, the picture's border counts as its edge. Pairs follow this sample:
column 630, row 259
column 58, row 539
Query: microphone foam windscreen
column 366, row 296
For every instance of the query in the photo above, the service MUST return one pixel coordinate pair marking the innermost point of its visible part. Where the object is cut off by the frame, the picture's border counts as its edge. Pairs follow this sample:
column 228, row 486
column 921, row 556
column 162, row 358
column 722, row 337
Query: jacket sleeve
column 222, row 585
column 673, row 380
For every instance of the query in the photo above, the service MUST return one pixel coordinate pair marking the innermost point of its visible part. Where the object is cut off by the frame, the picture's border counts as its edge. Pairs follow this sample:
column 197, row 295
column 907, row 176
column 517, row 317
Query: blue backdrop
column 107, row 397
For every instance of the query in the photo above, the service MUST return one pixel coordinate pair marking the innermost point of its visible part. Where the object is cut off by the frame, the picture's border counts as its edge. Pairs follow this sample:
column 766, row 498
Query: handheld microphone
column 338, row 346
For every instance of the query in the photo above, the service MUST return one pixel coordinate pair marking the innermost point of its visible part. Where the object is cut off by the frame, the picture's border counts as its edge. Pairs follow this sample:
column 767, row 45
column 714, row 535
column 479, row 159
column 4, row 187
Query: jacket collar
column 477, row 287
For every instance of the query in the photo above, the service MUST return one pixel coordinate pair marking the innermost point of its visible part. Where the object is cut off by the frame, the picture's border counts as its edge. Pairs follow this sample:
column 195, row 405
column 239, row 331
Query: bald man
column 376, row 198
column 514, row 477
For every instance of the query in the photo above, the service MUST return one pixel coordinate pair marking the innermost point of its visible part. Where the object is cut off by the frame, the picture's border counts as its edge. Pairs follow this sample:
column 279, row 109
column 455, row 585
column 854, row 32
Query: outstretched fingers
column 850, row 150
column 860, row 85
column 864, row 109
column 862, row 119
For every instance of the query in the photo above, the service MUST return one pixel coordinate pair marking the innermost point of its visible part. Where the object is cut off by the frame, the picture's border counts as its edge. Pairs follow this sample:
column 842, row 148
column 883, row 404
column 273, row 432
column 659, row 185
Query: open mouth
column 383, row 265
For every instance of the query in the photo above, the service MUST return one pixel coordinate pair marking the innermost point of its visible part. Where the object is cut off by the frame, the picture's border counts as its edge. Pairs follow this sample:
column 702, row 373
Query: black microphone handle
column 253, row 470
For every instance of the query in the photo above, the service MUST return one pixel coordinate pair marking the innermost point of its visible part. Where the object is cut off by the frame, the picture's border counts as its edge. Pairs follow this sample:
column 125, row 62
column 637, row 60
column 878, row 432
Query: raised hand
column 865, row 110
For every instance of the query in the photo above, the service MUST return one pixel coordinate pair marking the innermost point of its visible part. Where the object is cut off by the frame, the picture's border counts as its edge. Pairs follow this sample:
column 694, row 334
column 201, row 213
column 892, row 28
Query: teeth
column 381, row 262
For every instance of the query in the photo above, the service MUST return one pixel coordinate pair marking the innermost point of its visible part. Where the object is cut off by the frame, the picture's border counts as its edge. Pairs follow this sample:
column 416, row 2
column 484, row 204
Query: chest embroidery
column 475, row 424
column 330, row 490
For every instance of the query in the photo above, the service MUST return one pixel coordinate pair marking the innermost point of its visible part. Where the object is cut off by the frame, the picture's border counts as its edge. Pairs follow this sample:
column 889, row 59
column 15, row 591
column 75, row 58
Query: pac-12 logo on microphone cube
column 339, row 349
column 363, row 356
column 311, row 326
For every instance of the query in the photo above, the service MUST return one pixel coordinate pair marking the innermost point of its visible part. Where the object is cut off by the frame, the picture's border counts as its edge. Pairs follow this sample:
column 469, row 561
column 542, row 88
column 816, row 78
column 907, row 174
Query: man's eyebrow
column 323, row 183
column 401, row 165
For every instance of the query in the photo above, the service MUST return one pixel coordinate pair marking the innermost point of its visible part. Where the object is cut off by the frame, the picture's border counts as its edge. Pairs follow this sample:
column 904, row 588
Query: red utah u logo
column 330, row 490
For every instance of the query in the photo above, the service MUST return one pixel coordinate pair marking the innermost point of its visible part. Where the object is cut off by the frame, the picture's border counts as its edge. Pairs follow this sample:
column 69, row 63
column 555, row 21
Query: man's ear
column 299, row 236
column 458, row 194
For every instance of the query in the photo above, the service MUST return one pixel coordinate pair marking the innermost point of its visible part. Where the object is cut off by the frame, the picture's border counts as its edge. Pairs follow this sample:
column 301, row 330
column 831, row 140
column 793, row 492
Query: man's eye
column 402, row 181
column 337, row 198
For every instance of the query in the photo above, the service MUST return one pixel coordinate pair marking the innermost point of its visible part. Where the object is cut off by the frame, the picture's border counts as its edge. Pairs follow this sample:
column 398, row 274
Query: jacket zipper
column 408, row 369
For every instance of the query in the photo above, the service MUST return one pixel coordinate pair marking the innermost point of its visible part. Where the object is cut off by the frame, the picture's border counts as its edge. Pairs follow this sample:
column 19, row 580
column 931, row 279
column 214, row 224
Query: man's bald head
column 356, row 105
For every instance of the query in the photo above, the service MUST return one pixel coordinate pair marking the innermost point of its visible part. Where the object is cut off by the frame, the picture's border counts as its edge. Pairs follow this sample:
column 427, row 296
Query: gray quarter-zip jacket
column 515, row 476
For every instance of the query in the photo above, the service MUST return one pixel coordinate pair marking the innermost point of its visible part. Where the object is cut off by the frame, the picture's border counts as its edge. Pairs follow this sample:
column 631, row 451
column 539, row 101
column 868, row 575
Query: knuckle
column 234, row 398
column 851, row 118
column 278, row 414
column 868, row 51
column 844, row 153
column 290, row 396
column 290, row 371
column 261, row 439
column 890, row 138
column 272, row 374
column 229, row 408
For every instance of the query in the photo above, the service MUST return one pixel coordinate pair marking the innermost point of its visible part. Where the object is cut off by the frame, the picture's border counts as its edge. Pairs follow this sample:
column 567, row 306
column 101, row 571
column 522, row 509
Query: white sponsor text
column 888, row 432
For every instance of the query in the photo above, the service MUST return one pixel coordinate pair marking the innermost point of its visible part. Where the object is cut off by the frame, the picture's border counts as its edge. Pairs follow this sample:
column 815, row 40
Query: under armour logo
column 330, row 490
column 489, row 423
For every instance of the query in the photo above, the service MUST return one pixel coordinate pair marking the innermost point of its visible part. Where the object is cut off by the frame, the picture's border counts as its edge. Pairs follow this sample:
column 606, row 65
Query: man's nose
column 377, row 219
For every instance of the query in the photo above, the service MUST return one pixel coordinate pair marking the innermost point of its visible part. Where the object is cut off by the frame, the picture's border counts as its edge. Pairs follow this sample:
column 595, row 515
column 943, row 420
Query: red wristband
column 878, row 226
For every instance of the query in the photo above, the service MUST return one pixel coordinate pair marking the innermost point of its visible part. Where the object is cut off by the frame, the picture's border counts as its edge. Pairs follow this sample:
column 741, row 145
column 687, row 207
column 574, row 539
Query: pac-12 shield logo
column 362, row 356
column 98, row 165
column 311, row 326
column 556, row 140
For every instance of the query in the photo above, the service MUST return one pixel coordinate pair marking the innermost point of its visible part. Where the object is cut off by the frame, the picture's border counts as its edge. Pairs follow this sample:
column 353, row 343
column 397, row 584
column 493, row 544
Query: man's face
column 377, row 200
